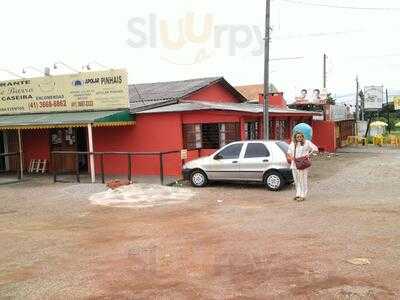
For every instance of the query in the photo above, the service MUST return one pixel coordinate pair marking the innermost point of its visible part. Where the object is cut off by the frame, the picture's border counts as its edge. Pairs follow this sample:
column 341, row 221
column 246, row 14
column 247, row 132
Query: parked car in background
column 251, row 161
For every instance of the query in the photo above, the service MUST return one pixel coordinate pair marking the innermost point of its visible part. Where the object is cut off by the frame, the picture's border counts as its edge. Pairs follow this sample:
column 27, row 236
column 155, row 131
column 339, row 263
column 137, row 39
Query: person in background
column 300, row 147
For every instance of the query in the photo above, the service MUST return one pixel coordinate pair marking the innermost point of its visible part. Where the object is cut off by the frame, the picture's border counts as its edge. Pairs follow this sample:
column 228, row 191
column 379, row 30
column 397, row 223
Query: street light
column 32, row 68
column 89, row 66
column 11, row 73
column 56, row 64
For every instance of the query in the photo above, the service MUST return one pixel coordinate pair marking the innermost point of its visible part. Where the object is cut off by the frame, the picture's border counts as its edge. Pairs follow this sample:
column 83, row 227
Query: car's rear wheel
column 198, row 178
column 274, row 181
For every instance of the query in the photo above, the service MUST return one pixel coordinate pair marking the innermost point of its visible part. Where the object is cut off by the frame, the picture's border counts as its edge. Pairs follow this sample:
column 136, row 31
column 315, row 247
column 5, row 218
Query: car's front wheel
column 198, row 178
column 274, row 181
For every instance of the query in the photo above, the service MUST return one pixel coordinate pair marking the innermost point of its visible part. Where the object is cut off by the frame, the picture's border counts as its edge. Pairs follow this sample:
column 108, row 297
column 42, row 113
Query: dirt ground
column 227, row 242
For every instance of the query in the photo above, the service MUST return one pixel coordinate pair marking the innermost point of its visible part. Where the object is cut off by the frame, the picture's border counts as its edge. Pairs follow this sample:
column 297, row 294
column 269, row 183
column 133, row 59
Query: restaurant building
column 98, row 112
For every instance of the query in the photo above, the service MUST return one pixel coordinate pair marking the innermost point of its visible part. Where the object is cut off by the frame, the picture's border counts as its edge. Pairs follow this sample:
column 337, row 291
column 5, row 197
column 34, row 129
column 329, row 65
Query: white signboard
column 373, row 97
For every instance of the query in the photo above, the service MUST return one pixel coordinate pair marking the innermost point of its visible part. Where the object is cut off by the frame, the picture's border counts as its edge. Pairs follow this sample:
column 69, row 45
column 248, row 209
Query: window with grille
column 251, row 130
column 281, row 129
column 192, row 137
column 210, row 136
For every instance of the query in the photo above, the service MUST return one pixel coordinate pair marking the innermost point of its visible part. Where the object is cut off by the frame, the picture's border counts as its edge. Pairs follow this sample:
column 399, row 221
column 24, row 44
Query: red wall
column 324, row 135
column 35, row 145
column 151, row 133
column 275, row 100
column 214, row 93
column 210, row 117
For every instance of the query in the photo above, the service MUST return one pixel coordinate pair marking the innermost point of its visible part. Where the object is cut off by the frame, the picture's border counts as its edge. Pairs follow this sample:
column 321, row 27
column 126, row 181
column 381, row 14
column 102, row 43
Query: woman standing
column 300, row 148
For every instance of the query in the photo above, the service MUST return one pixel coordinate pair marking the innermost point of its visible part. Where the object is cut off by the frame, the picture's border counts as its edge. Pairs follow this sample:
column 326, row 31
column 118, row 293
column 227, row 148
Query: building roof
column 70, row 119
column 238, row 107
column 251, row 92
column 150, row 95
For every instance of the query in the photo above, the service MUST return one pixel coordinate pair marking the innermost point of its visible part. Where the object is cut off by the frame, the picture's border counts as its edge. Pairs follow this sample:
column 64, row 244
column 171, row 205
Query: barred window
column 210, row 136
column 281, row 129
column 192, row 138
column 251, row 130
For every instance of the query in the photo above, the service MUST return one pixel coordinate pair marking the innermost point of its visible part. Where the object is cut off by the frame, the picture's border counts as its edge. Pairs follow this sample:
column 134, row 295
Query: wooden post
column 91, row 157
column 129, row 168
column 161, row 169
column 53, row 166
column 78, row 179
column 21, row 161
column 102, row 167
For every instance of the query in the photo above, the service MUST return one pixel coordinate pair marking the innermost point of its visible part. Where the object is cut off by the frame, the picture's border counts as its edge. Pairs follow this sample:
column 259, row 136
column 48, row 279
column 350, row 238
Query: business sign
column 396, row 102
column 337, row 112
column 184, row 154
column 86, row 91
column 373, row 97
column 312, row 96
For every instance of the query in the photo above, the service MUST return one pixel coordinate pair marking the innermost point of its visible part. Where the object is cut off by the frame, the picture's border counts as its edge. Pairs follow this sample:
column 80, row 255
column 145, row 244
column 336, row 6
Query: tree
column 330, row 99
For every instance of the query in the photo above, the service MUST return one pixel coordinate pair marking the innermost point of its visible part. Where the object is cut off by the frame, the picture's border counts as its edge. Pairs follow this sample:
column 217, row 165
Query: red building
column 199, row 115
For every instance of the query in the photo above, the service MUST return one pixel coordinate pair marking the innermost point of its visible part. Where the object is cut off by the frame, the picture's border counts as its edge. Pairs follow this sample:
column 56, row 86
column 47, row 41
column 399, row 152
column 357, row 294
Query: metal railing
column 102, row 155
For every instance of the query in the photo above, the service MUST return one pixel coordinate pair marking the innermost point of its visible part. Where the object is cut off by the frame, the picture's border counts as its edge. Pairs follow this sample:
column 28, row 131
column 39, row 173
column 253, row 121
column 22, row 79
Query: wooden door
column 63, row 139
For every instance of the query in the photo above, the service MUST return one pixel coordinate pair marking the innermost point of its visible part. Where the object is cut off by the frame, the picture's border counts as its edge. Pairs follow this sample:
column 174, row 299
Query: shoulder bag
column 301, row 163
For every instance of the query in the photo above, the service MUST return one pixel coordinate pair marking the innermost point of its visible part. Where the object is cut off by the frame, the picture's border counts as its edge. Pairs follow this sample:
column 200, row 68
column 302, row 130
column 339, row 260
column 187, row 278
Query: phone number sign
column 106, row 90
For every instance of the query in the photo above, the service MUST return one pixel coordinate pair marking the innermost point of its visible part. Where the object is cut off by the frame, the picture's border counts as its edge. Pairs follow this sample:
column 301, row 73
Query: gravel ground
column 226, row 242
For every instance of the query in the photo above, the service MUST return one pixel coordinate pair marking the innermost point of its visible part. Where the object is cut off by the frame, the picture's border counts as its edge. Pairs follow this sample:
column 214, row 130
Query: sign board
column 373, row 97
column 184, row 154
column 88, row 91
column 396, row 102
column 362, row 128
column 338, row 112
column 312, row 96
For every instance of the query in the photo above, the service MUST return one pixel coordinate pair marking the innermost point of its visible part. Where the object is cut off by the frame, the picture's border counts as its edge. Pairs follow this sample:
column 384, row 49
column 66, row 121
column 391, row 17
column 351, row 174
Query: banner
column 373, row 97
column 312, row 96
column 88, row 91
column 396, row 102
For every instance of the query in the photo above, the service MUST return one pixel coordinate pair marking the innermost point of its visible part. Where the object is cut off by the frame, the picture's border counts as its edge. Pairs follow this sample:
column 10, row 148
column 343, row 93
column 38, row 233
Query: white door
column 255, row 161
column 226, row 163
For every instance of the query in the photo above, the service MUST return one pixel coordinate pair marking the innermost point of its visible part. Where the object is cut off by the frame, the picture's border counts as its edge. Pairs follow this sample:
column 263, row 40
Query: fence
column 101, row 156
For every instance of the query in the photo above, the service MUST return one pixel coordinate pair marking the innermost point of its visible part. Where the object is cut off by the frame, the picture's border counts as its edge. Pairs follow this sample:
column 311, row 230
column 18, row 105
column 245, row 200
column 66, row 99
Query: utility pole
column 266, row 71
column 363, row 107
column 324, row 81
column 388, row 110
column 357, row 95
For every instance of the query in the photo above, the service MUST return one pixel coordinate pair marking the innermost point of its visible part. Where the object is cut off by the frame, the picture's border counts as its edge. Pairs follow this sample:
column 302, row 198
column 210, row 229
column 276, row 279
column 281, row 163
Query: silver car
column 252, row 161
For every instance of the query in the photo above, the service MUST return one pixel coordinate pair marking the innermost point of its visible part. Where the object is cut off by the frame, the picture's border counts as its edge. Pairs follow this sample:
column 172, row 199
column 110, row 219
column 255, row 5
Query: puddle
column 141, row 195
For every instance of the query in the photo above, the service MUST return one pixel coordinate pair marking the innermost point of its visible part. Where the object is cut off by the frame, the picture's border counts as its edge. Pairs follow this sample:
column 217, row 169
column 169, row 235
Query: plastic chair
column 378, row 140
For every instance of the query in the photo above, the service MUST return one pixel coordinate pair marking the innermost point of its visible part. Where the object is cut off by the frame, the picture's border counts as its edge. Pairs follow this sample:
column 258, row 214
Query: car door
column 225, row 164
column 255, row 161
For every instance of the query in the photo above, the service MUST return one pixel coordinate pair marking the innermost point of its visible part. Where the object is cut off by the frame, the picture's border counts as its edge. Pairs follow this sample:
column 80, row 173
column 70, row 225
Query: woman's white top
column 301, row 151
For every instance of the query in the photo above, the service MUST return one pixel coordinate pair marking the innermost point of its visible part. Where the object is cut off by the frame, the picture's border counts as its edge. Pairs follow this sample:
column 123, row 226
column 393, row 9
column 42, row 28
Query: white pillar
column 21, row 161
column 91, row 156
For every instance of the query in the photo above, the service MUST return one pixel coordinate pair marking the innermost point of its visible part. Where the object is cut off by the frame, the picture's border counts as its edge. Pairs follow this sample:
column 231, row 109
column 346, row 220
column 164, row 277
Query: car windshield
column 283, row 146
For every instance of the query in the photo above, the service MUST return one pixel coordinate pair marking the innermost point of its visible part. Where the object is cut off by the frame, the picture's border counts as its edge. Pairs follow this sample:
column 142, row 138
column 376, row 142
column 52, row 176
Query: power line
column 342, row 7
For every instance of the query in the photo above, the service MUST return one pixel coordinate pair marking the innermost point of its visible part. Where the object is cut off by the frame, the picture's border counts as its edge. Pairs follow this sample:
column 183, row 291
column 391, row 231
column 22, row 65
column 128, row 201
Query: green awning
column 70, row 119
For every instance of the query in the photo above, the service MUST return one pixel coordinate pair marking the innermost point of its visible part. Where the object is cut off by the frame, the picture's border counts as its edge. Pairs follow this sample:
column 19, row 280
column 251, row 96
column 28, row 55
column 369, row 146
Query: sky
column 182, row 39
